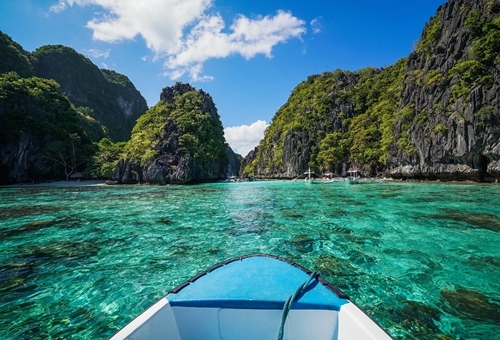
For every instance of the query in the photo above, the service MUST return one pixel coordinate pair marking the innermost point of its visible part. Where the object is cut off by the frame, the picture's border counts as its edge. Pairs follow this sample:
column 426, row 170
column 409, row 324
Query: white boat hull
column 163, row 321
column 321, row 313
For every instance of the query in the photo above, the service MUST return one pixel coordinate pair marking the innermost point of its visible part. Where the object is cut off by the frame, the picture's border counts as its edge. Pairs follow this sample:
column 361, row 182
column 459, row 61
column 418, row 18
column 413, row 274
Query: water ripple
column 421, row 259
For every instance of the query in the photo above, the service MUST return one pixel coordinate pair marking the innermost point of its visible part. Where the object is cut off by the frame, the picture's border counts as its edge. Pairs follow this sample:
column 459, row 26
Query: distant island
column 434, row 115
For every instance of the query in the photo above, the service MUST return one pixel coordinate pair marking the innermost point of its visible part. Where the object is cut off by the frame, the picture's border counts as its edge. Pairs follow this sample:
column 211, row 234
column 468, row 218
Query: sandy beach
column 56, row 184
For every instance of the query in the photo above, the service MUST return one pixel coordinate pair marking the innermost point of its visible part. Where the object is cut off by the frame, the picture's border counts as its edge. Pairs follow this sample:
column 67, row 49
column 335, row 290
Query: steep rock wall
column 434, row 115
column 114, row 100
column 287, row 147
column 454, row 119
column 190, row 147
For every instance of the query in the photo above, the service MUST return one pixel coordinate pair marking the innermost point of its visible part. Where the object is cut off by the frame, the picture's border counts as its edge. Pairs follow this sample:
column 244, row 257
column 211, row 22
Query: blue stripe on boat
column 254, row 283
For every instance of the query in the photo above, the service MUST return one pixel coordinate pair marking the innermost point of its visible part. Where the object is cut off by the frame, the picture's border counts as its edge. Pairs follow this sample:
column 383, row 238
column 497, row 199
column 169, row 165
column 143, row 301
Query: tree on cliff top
column 14, row 58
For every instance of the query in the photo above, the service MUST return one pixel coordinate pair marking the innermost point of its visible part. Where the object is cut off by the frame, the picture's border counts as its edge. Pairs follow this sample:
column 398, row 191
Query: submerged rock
column 301, row 243
column 332, row 266
column 164, row 220
column 418, row 319
column 470, row 304
column 473, row 219
column 28, row 228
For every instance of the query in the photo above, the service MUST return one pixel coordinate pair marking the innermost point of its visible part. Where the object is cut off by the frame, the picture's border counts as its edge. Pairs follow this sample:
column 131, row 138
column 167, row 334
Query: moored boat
column 352, row 176
column 309, row 179
column 254, row 297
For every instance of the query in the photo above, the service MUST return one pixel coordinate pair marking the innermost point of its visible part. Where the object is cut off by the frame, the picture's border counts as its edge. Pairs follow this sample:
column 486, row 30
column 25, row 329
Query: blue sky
column 249, row 55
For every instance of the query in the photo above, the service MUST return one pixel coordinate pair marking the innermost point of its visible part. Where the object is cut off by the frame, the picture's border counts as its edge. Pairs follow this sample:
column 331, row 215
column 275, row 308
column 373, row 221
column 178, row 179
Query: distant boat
column 254, row 297
column 328, row 178
column 352, row 176
column 309, row 179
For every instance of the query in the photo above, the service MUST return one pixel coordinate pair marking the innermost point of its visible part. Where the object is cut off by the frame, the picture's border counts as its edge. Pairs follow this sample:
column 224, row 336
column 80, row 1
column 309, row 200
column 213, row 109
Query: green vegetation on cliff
column 35, row 114
column 112, row 98
column 13, row 58
column 485, row 31
column 430, row 35
column 371, row 132
column 53, row 103
column 348, row 117
column 106, row 158
column 199, row 132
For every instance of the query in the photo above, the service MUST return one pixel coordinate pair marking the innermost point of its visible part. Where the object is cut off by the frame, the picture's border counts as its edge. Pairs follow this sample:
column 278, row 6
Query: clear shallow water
column 80, row 262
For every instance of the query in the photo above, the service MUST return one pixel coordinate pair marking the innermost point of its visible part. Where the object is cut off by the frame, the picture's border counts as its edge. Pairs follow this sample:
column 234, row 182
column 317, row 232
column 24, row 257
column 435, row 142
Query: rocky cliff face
column 190, row 147
column 234, row 163
column 43, row 136
column 113, row 99
column 288, row 145
column 16, row 158
column 453, row 95
column 435, row 115
column 170, row 164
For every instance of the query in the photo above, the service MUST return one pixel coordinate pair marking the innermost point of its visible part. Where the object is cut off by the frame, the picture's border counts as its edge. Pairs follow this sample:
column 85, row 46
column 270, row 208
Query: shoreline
column 56, row 184
column 62, row 184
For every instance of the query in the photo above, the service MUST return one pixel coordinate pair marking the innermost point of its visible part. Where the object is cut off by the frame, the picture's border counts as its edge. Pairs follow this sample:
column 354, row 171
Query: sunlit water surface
column 423, row 260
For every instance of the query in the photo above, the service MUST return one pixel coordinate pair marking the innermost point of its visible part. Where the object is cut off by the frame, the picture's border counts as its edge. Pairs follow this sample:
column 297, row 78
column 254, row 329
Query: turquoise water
column 80, row 262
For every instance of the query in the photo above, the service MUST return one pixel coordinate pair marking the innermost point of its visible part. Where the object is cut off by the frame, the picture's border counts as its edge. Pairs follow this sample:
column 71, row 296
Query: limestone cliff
column 433, row 115
column 180, row 140
column 452, row 93
column 43, row 136
column 113, row 99
column 316, row 108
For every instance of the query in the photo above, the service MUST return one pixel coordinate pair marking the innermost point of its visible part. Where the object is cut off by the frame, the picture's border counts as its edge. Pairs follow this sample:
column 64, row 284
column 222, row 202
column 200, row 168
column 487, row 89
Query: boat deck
column 255, row 283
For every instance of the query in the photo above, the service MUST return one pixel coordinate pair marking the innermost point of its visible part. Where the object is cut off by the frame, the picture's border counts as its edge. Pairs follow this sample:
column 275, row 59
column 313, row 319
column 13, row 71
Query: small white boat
column 254, row 297
column 309, row 179
column 352, row 176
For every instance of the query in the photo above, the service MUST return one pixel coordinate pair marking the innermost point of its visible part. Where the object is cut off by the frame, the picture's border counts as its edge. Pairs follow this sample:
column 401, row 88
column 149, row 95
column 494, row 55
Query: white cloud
column 316, row 25
column 97, row 53
column 61, row 6
column 184, row 34
column 244, row 138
